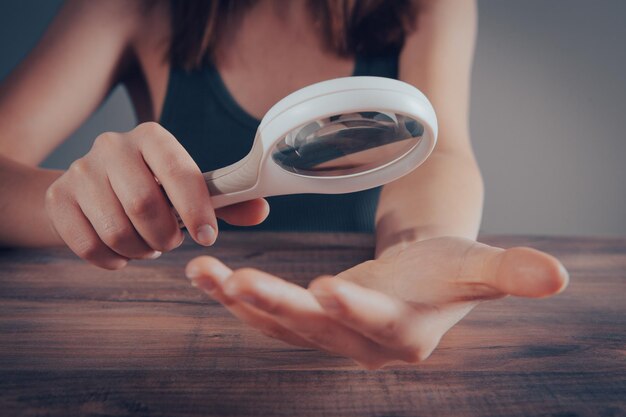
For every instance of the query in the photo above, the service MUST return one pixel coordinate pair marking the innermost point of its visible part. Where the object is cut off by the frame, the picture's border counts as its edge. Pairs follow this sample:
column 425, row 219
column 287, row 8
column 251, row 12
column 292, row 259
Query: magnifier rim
column 387, row 96
column 355, row 174
column 340, row 85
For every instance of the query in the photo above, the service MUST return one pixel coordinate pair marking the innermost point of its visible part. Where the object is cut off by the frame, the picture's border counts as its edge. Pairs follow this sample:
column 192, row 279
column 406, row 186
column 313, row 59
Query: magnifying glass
column 337, row 136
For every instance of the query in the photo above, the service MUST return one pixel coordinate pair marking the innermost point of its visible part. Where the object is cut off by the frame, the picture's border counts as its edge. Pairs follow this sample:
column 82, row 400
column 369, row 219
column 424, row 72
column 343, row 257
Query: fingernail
column 153, row 255
column 182, row 239
column 206, row 235
column 119, row 264
column 327, row 301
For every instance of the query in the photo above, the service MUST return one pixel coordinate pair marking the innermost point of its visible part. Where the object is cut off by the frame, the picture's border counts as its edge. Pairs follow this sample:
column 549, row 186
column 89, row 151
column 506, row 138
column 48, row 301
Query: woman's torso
column 214, row 111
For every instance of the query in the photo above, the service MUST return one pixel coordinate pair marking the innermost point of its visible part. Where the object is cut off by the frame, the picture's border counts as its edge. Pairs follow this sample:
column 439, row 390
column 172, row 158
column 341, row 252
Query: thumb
column 523, row 272
column 247, row 213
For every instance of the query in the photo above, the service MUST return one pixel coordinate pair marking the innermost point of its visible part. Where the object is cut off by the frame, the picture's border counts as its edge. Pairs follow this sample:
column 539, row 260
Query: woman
column 201, row 75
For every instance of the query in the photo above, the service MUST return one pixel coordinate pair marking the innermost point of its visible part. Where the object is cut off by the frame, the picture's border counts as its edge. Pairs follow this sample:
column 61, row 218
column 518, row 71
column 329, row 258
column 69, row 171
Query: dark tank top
column 200, row 112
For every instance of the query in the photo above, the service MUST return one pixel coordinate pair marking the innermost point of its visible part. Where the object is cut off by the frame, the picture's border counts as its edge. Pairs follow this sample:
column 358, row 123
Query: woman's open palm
column 395, row 308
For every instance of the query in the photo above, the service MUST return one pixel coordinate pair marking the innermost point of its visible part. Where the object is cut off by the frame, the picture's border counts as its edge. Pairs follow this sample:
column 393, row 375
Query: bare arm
column 59, row 84
column 65, row 78
column 444, row 196
column 24, row 221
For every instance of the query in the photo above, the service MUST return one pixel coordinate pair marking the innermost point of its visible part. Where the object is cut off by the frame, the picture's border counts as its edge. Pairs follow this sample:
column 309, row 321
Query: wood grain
column 76, row 340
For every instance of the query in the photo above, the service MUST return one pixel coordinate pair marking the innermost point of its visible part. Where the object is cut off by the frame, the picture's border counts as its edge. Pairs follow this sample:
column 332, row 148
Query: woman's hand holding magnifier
column 108, row 207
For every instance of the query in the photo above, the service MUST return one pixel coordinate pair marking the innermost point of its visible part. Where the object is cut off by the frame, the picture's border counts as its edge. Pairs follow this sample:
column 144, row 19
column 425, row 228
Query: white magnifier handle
column 234, row 183
column 228, row 185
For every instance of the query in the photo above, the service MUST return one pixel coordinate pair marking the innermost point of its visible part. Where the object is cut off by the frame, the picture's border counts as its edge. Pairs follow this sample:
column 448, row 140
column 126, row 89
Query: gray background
column 548, row 110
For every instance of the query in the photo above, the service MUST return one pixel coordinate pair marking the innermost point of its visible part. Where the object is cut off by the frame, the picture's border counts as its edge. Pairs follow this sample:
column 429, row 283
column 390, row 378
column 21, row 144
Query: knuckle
column 106, row 140
column 179, row 167
column 53, row 195
column 87, row 248
column 194, row 213
column 389, row 331
column 143, row 205
column 80, row 167
column 148, row 129
column 115, row 234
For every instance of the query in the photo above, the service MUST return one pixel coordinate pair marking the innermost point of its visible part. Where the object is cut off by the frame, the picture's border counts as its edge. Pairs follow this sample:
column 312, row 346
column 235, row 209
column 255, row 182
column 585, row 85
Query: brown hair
column 348, row 27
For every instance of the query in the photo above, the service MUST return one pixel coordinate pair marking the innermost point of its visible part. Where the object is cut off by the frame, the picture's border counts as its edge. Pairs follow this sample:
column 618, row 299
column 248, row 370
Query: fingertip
column 335, row 295
column 258, row 211
column 115, row 265
column 265, row 210
column 181, row 241
column 563, row 274
column 328, row 300
column 321, row 282
column 207, row 265
column 206, row 235
column 243, row 280
column 174, row 242
column 192, row 270
column 528, row 272
column 155, row 254
column 556, row 277
column 247, row 213
column 198, row 261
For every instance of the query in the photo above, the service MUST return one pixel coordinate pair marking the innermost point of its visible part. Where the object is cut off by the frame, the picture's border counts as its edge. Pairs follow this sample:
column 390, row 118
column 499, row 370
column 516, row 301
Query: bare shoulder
column 84, row 47
column 117, row 17
column 119, row 11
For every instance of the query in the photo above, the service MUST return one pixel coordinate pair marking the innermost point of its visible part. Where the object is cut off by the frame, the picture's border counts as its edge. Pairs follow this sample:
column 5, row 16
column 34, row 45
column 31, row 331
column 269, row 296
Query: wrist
column 25, row 220
column 389, row 243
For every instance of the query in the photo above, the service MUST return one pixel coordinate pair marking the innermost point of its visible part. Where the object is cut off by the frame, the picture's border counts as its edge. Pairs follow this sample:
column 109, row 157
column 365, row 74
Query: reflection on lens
column 347, row 144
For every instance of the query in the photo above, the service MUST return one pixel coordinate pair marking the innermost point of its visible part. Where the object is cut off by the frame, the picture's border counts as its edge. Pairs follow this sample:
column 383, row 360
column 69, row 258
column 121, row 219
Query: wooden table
column 76, row 340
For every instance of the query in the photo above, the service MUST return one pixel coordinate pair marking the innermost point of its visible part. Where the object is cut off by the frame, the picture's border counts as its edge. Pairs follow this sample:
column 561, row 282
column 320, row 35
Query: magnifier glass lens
column 347, row 144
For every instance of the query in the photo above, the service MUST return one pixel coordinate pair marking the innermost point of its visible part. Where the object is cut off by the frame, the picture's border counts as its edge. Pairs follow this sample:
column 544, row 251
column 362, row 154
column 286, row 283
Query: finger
column 182, row 180
column 247, row 213
column 106, row 215
column 141, row 198
column 208, row 274
column 520, row 271
column 76, row 231
column 412, row 330
column 297, row 310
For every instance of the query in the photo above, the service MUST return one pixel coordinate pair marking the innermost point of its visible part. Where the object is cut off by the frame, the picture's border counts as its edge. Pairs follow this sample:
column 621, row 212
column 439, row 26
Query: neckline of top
column 234, row 108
